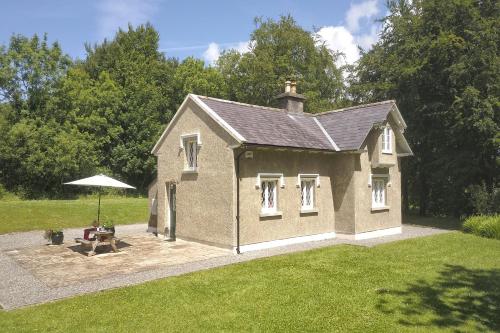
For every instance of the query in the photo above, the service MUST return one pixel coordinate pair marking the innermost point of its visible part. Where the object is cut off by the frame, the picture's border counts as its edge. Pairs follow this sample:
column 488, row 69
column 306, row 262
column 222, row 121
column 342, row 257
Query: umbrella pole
column 99, row 208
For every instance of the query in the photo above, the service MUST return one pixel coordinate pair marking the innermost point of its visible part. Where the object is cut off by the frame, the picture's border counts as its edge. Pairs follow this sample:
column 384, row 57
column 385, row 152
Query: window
column 190, row 143
column 387, row 140
column 268, row 195
column 378, row 192
column 191, row 154
column 307, row 194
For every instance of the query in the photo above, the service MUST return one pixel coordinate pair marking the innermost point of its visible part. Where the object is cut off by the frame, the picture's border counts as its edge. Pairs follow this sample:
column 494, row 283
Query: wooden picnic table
column 101, row 238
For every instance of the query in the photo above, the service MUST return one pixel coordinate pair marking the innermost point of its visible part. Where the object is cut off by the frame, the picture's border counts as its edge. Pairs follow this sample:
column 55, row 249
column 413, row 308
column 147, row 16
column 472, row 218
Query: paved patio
column 32, row 272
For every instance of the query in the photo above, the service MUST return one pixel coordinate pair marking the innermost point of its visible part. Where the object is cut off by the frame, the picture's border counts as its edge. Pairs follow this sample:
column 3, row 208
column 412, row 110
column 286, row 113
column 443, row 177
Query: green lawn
column 19, row 215
column 448, row 282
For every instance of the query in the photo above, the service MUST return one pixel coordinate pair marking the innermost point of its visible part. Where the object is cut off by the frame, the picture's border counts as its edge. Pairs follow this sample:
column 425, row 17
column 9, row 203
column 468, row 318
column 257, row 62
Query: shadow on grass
column 457, row 298
column 449, row 223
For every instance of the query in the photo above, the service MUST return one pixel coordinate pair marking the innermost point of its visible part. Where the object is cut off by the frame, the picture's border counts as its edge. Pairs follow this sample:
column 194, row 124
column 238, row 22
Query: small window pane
column 191, row 149
column 268, row 195
column 307, row 193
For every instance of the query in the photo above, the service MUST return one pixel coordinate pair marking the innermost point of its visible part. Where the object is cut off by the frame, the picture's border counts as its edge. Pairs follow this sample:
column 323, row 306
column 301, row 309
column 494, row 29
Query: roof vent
column 290, row 100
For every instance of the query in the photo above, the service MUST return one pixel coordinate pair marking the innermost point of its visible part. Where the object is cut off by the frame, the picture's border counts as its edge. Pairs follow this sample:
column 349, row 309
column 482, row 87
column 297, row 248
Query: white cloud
column 212, row 53
column 214, row 50
column 114, row 14
column 346, row 38
column 359, row 11
column 340, row 39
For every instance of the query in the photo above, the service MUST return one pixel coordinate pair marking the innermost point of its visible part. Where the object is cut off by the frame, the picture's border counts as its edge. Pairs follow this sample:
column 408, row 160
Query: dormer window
column 387, row 140
column 190, row 144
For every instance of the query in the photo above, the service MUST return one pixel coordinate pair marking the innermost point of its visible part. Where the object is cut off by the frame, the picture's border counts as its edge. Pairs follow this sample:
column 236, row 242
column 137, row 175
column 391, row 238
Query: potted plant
column 56, row 236
column 109, row 226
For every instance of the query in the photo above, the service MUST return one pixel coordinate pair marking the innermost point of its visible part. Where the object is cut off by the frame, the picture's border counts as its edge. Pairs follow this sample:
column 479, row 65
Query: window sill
column 309, row 211
column 270, row 214
column 377, row 209
column 190, row 171
column 387, row 152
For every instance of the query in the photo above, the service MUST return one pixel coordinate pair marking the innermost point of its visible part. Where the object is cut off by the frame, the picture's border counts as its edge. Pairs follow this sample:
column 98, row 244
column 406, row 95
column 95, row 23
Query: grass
column 19, row 215
column 448, row 282
column 485, row 226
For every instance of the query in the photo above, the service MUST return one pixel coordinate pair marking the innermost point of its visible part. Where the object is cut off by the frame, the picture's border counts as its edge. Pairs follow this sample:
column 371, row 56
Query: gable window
column 379, row 191
column 190, row 144
column 191, row 154
column 269, row 196
column 387, row 140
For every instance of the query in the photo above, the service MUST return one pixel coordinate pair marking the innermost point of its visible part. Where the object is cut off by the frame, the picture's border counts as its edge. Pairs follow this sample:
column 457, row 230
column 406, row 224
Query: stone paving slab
column 19, row 286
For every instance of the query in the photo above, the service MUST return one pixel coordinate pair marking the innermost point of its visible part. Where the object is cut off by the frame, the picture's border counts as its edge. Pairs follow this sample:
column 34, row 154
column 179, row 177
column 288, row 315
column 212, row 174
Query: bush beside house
column 484, row 226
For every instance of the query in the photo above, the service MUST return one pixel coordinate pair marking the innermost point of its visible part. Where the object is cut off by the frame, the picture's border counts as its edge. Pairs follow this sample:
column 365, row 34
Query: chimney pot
column 287, row 86
column 293, row 85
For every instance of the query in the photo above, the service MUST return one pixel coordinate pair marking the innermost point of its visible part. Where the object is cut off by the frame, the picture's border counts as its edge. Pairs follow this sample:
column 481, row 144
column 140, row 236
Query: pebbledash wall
column 206, row 200
column 204, row 205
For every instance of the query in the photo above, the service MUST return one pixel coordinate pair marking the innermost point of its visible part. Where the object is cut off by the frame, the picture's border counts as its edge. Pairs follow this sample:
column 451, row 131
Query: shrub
column 484, row 226
column 482, row 200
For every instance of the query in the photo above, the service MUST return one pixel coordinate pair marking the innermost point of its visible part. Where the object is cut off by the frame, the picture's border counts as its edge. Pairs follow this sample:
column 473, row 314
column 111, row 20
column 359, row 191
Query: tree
column 143, row 75
column 440, row 61
column 29, row 72
column 280, row 50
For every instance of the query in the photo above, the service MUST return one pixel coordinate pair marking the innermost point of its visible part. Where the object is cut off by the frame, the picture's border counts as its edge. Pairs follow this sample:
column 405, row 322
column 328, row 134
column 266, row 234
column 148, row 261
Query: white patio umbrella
column 99, row 181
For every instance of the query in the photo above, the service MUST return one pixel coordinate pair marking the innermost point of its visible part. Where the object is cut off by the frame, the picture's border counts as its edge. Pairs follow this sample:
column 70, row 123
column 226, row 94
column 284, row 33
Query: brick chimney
column 290, row 100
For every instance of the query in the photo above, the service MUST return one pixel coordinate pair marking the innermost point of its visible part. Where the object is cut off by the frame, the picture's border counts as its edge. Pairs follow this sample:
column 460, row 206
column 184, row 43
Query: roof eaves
column 218, row 119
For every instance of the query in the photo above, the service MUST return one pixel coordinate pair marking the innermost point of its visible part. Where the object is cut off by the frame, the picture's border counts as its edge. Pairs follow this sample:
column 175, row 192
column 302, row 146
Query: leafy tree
column 143, row 75
column 38, row 156
column 281, row 50
column 440, row 61
column 29, row 72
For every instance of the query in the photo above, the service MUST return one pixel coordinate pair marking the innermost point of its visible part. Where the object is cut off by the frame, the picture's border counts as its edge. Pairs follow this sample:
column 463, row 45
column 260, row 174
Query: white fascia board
column 237, row 136
column 334, row 145
column 401, row 140
column 176, row 115
column 398, row 115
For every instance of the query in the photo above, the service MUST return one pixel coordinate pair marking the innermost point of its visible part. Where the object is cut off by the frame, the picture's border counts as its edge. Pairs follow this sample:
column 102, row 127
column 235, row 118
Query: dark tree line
column 62, row 119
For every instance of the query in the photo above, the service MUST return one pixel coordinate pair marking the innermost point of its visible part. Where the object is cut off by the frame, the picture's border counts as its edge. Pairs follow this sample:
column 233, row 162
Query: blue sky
column 199, row 28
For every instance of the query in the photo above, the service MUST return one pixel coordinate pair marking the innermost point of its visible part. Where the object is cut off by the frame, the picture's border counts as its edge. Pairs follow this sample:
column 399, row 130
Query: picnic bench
column 101, row 238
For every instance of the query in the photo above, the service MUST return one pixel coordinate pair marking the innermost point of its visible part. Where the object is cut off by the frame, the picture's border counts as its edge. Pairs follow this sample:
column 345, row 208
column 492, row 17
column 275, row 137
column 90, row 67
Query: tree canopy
column 62, row 119
column 440, row 61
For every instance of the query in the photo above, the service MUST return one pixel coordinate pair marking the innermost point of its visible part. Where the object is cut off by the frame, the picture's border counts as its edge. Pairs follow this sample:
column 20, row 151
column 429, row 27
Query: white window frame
column 374, row 180
column 268, row 175
column 308, row 177
column 265, row 196
column 184, row 140
column 303, row 194
column 387, row 140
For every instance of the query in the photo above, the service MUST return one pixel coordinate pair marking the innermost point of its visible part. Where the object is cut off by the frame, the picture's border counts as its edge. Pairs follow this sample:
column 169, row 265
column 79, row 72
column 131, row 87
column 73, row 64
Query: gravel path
column 19, row 288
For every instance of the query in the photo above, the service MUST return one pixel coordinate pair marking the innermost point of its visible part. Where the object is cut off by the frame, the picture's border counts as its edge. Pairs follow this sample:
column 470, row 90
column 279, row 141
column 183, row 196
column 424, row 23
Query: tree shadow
column 449, row 222
column 458, row 297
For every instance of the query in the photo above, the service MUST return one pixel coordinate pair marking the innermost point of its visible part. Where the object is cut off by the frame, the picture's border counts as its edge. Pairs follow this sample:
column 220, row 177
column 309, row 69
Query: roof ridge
column 355, row 107
column 240, row 103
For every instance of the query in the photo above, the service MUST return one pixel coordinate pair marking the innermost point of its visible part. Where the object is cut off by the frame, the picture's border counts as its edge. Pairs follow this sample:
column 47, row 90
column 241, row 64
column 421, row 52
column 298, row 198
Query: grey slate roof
column 269, row 126
column 349, row 127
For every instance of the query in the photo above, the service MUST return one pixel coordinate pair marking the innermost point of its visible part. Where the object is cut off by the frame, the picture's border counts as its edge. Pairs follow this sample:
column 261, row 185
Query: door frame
column 171, row 208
